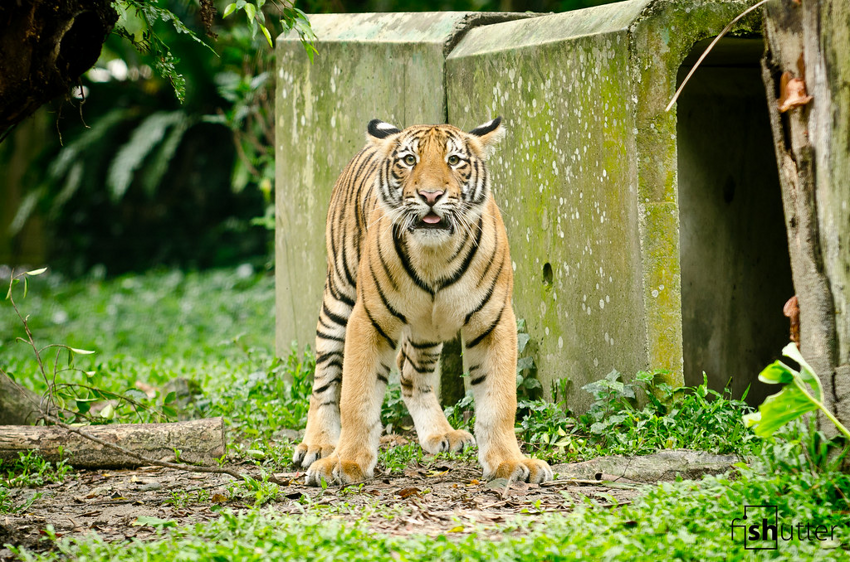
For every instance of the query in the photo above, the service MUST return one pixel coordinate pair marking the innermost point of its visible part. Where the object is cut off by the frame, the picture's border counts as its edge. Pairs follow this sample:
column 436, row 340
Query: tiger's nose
column 431, row 197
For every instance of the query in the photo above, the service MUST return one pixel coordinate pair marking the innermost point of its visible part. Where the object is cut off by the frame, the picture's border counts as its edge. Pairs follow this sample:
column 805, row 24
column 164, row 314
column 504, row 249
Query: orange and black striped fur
column 417, row 250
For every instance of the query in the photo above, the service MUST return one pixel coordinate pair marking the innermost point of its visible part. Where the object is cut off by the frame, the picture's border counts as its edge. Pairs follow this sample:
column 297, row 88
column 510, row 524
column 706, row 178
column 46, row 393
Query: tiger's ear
column 489, row 134
column 378, row 130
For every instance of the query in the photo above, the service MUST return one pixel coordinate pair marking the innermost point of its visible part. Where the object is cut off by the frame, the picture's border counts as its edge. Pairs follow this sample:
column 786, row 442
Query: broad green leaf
column 524, row 363
column 250, row 11
column 267, row 34
column 170, row 397
column 229, row 10
column 777, row 373
column 146, row 520
column 806, row 372
column 108, row 412
column 521, row 341
column 130, row 157
column 136, row 395
column 778, row 409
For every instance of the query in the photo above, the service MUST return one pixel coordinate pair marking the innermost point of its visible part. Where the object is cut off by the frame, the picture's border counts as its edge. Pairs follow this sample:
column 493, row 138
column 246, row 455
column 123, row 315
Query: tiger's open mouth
column 431, row 221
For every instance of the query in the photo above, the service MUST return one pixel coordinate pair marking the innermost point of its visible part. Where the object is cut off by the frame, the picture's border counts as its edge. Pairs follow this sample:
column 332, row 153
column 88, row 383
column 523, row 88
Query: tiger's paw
column 334, row 471
column 522, row 469
column 454, row 441
column 309, row 451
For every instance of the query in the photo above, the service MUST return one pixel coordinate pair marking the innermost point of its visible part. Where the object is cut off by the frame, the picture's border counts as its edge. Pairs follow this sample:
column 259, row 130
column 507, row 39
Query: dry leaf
column 792, row 92
column 792, row 311
column 407, row 492
column 219, row 498
column 150, row 391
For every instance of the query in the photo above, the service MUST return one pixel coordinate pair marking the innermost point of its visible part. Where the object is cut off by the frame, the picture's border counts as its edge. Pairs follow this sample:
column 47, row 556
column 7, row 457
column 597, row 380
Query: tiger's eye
column 410, row 160
column 453, row 159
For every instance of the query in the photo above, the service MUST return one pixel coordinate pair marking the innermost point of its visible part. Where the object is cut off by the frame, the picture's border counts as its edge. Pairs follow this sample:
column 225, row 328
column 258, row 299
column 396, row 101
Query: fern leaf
column 158, row 165
column 145, row 138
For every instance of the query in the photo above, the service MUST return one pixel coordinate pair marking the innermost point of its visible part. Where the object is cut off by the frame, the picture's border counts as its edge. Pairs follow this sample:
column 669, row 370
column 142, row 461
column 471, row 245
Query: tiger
column 417, row 251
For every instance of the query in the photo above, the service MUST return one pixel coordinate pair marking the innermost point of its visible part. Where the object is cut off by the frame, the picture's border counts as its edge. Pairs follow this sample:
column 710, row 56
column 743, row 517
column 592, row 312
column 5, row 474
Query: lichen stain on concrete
column 586, row 177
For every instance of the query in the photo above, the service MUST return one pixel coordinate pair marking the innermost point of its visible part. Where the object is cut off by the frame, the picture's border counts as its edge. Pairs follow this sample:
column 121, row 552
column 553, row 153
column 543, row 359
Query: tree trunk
column 18, row 405
column 199, row 441
column 46, row 45
column 810, row 41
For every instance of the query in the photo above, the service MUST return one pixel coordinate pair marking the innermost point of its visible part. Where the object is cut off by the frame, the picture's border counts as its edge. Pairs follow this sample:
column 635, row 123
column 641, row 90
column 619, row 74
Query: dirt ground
column 431, row 497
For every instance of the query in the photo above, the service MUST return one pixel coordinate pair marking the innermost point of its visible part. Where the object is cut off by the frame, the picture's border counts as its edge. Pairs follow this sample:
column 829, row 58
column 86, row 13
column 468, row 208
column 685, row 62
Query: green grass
column 673, row 521
column 215, row 329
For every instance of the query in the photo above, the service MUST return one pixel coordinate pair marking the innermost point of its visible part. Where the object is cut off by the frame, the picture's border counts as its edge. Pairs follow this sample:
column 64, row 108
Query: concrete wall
column 587, row 177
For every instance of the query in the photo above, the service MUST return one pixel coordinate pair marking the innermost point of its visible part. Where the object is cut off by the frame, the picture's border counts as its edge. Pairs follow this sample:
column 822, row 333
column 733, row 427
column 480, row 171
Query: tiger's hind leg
column 323, row 420
column 417, row 363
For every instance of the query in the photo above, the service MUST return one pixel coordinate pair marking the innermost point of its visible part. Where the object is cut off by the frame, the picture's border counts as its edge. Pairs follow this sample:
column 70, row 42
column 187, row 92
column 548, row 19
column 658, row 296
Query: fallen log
column 198, row 441
column 18, row 405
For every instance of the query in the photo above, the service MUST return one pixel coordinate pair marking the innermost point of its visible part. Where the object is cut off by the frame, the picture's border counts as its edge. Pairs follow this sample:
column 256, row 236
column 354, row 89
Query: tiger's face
column 433, row 181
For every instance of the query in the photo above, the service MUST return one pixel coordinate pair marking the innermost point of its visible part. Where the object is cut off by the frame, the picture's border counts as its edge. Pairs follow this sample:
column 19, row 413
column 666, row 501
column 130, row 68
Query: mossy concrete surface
column 586, row 177
column 387, row 66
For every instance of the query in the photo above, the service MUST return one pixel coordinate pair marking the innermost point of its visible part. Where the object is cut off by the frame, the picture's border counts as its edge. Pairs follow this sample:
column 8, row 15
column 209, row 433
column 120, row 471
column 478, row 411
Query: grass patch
column 674, row 521
column 213, row 331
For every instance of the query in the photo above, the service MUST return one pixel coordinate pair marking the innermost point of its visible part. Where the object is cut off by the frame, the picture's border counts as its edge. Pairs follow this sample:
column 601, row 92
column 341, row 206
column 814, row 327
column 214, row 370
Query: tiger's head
column 433, row 181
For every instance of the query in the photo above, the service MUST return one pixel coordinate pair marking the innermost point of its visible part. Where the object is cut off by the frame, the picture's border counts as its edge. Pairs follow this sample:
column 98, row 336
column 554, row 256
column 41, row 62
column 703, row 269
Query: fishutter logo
column 761, row 529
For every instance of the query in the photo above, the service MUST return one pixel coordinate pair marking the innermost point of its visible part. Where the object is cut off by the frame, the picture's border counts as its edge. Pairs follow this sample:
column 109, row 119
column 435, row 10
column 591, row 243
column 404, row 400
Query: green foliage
column 801, row 394
column 31, row 470
column 395, row 460
column 673, row 521
column 260, row 490
column 695, row 418
column 527, row 385
column 148, row 41
column 10, row 506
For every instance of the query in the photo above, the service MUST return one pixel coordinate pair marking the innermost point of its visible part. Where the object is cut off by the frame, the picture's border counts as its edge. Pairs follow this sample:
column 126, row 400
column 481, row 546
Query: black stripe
column 339, row 295
column 378, row 327
column 425, row 389
column 405, row 383
column 327, row 385
column 384, row 262
column 329, row 337
column 383, row 378
column 487, row 332
column 478, row 380
column 492, row 257
column 348, row 275
column 487, row 296
column 405, row 262
column 326, row 325
column 335, row 318
column 335, row 363
column 460, row 248
column 467, row 260
column 423, row 345
column 328, row 403
column 416, row 367
column 474, row 368
column 322, row 357
column 384, row 300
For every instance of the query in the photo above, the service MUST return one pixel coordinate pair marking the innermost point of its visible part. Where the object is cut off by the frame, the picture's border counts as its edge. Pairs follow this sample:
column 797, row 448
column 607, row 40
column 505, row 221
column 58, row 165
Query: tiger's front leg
column 368, row 355
column 417, row 364
column 491, row 351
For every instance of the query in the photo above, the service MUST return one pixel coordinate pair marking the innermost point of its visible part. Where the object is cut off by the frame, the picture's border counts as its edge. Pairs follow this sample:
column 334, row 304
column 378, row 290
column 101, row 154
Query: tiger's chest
column 437, row 318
